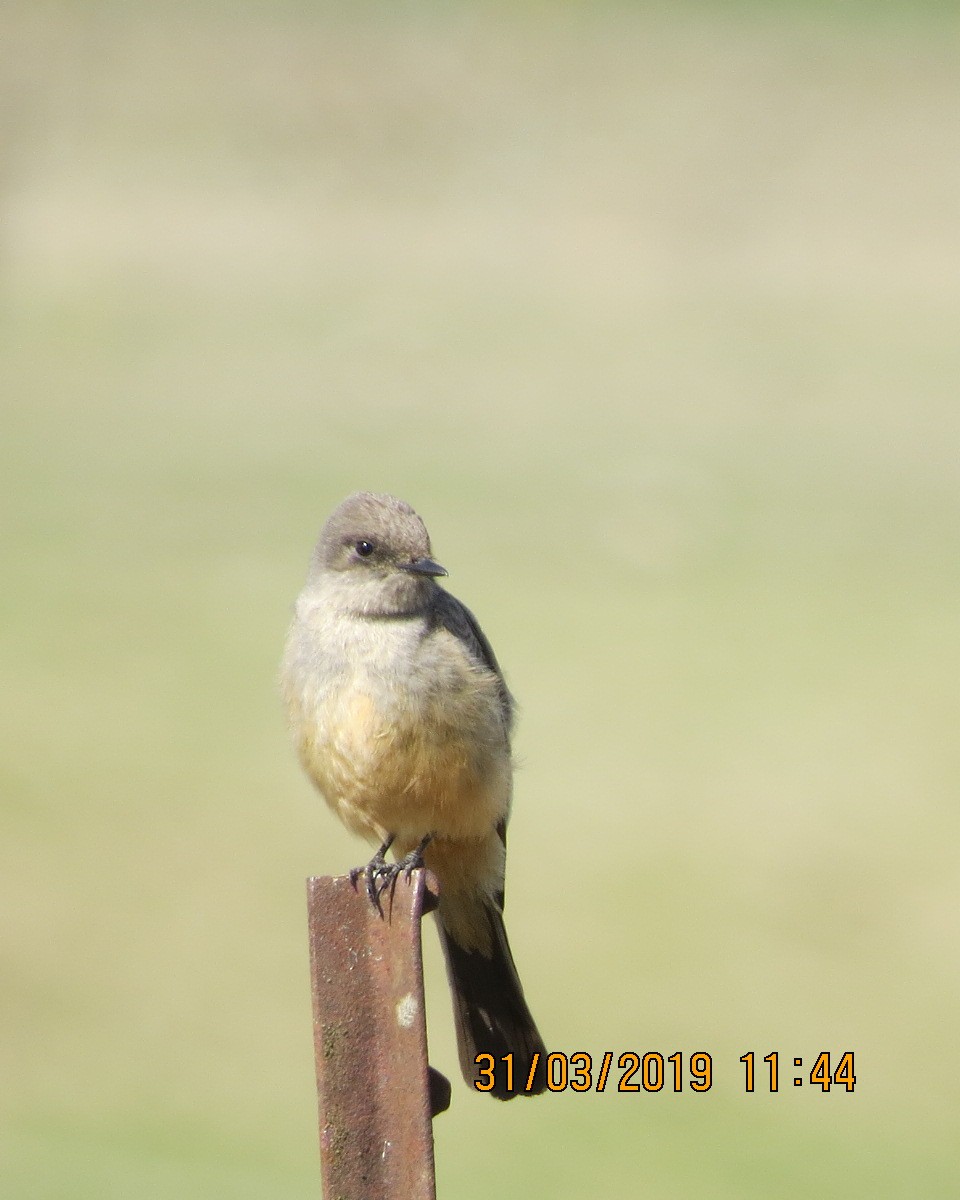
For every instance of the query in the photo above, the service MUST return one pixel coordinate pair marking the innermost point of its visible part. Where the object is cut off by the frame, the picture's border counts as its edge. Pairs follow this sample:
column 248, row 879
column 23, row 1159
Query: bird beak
column 423, row 566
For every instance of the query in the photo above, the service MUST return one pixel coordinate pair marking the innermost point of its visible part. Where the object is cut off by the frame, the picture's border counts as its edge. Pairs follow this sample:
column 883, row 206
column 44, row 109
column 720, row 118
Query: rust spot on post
column 374, row 1086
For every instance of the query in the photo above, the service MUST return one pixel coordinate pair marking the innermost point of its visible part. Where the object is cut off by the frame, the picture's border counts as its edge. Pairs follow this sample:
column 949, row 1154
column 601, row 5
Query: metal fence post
column 375, row 1089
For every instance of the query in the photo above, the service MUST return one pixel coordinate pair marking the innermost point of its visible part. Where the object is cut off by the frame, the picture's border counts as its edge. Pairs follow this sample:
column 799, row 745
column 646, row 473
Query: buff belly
column 444, row 773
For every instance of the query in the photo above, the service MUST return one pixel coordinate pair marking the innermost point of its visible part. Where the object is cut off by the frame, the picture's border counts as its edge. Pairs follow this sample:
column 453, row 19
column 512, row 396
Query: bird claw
column 382, row 876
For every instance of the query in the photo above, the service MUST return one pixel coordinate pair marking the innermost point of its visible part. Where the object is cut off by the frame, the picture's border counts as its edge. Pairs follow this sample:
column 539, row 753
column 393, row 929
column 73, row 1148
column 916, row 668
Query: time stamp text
column 652, row 1071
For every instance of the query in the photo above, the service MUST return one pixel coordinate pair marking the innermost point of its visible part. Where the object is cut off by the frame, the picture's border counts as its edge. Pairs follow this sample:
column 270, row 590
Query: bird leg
column 374, row 868
column 382, row 876
column 414, row 860
column 406, row 866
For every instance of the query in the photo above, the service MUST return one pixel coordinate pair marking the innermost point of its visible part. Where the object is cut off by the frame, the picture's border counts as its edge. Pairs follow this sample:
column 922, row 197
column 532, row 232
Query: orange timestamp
column 581, row 1072
column 652, row 1071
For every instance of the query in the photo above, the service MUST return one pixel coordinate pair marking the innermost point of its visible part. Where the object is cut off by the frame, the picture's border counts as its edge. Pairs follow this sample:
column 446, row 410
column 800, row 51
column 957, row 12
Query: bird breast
column 413, row 745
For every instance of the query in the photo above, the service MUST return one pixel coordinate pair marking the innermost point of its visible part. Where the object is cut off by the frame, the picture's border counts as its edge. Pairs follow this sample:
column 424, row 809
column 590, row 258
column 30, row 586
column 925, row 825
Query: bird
column 401, row 717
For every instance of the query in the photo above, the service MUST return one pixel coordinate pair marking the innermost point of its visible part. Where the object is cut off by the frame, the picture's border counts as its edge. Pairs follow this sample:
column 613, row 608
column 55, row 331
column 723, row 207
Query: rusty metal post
column 370, row 1040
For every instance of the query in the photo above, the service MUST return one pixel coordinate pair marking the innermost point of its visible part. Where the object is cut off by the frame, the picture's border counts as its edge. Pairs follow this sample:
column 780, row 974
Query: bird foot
column 382, row 876
column 376, row 867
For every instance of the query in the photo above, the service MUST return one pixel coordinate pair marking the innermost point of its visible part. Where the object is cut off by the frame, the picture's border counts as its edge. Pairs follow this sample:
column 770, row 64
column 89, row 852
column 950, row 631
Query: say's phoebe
column 402, row 719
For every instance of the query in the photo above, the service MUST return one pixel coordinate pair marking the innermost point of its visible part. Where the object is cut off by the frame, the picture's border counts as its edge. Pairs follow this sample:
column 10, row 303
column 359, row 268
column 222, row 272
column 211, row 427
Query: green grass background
column 652, row 312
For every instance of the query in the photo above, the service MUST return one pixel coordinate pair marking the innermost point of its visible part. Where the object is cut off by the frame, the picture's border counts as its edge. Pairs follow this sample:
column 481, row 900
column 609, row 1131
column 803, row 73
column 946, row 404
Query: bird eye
column 364, row 549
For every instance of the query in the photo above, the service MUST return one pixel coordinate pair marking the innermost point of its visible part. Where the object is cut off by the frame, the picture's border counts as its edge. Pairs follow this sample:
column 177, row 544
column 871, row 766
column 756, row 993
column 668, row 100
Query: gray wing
column 460, row 621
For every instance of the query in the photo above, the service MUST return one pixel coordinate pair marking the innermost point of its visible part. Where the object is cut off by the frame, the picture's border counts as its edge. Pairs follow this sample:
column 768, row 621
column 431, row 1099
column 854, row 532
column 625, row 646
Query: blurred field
column 653, row 315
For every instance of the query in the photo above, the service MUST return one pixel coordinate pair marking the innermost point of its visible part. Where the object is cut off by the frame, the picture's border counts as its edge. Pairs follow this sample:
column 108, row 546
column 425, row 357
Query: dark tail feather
column 491, row 1014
